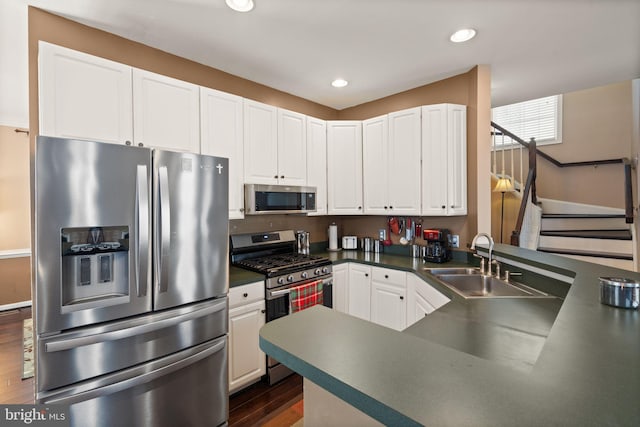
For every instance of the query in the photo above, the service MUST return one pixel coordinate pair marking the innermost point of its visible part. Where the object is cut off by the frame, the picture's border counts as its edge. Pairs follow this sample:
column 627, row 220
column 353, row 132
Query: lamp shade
column 504, row 185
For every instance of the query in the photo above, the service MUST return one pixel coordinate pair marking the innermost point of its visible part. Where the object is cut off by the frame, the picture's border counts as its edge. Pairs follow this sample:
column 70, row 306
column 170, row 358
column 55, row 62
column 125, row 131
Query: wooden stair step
column 620, row 234
column 587, row 253
column 576, row 216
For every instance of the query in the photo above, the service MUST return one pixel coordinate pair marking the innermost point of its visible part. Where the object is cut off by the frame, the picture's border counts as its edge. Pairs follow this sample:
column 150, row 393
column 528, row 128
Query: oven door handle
column 278, row 293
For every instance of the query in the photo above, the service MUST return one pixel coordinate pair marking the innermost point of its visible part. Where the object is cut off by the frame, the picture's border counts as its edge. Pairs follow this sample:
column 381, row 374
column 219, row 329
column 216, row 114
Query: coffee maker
column 438, row 246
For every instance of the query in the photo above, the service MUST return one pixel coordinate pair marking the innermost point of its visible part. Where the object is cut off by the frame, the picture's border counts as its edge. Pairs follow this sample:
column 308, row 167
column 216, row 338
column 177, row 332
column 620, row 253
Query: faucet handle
column 508, row 274
column 481, row 263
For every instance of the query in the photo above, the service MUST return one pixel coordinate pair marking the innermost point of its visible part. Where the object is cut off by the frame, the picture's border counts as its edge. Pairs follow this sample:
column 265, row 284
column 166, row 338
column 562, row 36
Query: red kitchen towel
column 305, row 296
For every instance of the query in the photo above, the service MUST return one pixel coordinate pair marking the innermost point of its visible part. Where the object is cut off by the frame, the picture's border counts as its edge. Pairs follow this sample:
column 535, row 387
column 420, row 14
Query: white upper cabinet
column 166, row 112
column 344, row 167
column 391, row 163
column 403, row 164
column 317, row 161
column 292, row 148
column 444, row 165
column 260, row 143
column 375, row 144
column 221, row 134
column 83, row 96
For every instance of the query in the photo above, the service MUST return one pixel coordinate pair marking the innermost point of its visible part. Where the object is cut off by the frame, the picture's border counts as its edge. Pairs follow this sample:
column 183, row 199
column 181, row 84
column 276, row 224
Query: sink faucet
column 491, row 243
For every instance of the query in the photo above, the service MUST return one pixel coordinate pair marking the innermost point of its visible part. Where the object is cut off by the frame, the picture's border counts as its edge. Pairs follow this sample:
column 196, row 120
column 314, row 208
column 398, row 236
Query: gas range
column 273, row 254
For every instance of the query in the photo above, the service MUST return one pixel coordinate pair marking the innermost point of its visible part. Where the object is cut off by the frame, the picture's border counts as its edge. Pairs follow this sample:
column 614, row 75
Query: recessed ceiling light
column 339, row 83
column 240, row 5
column 463, row 35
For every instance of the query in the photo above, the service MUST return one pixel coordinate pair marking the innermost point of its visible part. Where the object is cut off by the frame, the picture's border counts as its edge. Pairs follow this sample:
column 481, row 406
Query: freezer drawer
column 89, row 352
column 189, row 388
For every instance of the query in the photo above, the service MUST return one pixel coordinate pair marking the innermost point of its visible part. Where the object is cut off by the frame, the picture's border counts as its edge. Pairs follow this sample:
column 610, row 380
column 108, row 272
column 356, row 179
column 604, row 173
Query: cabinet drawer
column 385, row 275
column 246, row 294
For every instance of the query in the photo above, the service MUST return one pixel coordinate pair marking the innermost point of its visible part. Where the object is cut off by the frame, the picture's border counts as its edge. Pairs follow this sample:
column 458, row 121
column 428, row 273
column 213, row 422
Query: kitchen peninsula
column 586, row 372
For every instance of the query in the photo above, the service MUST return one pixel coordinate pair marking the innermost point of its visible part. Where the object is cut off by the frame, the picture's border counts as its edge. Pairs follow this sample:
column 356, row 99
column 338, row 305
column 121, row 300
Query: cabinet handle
column 275, row 176
column 262, row 311
column 390, row 207
column 385, row 207
column 401, row 297
column 443, row 206
column 366, row 274
column 140, row 144
column 245, row 295
column 241, row 209
column 127, row 142
column 386, row 276
column 359, row 207
column 281, row 176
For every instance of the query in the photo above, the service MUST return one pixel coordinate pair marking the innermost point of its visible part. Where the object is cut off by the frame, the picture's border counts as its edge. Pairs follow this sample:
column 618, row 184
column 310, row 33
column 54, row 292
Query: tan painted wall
column 15, row 282
column 14, row 189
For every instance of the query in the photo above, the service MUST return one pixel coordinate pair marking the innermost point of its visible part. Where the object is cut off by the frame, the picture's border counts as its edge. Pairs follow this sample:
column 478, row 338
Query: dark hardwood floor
column 13, row 389
column 254, row 406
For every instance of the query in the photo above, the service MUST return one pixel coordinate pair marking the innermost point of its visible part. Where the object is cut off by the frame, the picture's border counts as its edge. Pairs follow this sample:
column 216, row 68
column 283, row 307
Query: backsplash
column 361, row 226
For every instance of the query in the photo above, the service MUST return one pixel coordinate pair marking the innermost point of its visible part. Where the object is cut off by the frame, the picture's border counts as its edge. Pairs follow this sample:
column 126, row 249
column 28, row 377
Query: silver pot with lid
column 620, row 292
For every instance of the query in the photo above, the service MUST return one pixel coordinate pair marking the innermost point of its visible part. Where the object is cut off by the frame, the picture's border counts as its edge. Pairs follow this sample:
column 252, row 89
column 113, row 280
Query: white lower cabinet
column 359, row 291
column 389, row 298
column 340, row 287
column 422, row 299
column 247, row 363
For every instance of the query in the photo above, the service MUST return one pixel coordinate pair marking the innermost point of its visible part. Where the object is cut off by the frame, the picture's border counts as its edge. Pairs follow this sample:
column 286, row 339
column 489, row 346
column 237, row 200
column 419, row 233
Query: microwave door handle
column 141, row 253
column 144, row 378
column 163, row 230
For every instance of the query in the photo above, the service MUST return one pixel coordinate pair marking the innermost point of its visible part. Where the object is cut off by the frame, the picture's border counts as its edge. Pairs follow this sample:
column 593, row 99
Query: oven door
column 278, row 304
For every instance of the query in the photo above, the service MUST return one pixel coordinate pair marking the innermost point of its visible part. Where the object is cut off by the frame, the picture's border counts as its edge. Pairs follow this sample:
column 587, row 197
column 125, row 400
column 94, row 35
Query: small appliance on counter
column 302, row 242
column 349, row 242
column 438, row 246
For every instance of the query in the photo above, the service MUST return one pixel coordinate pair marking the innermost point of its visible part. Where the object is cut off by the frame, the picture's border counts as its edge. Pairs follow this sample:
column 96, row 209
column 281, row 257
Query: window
column 539, row 118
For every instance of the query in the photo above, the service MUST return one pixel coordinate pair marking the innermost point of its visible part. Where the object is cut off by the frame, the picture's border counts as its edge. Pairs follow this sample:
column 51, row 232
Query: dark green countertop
column 477, row 362
column 240, row 276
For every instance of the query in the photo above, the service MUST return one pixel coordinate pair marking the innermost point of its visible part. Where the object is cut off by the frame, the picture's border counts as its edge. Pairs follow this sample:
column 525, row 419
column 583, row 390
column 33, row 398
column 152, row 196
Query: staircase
column 586, row 232
column 596, row 234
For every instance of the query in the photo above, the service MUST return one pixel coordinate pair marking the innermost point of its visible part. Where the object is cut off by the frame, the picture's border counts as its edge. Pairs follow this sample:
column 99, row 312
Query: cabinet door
column 422, row 299
column 403, row 162
column 247, row 363
column 375, row 173
column 340, row 287
column 260, row 143
column 388, row 305
column 221, row 127
column 292, row 148
column 344, row 167
column 457, row 159
column 82, row 96
column 317, row 161
column 166, row 112
column 434, row 160
column 359, row 294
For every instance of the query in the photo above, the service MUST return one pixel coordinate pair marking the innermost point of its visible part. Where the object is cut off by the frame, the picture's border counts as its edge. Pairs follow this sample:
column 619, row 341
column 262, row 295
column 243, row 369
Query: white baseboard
column 15, row 305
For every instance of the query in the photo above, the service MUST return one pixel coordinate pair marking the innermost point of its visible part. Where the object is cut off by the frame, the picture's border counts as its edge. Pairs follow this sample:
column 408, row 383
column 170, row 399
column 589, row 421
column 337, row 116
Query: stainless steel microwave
column 279, row 199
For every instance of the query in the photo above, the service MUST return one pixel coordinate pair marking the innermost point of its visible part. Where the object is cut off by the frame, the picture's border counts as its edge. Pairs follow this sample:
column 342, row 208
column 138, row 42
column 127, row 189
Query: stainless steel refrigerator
column 131, row 281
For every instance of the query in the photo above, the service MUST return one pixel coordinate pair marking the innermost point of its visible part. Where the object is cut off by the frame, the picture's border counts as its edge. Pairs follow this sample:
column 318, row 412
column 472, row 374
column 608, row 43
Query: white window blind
column 539, row 118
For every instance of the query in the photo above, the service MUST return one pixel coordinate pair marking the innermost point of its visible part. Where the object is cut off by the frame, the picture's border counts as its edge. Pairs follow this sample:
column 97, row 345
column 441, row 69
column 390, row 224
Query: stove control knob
column 290, row 278
column 325, row 270
column 280, row 280
column 304, row 275
column 317, row 272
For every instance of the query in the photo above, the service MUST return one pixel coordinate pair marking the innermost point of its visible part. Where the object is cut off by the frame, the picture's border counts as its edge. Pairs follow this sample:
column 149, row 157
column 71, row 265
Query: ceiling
column 534, row 47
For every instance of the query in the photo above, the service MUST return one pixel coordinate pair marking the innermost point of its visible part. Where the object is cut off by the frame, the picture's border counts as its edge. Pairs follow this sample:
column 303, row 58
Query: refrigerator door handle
column 163, row 230
column 73, row 396
column 142, row 228
column 70, row 343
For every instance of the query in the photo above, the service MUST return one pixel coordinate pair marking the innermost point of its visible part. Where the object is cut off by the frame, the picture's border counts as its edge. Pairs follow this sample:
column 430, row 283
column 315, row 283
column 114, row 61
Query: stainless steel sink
column 469, row 283
column 453, row 270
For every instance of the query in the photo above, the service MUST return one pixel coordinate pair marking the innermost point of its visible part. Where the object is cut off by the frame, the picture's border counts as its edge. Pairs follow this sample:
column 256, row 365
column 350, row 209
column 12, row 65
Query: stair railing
column 530, row 186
